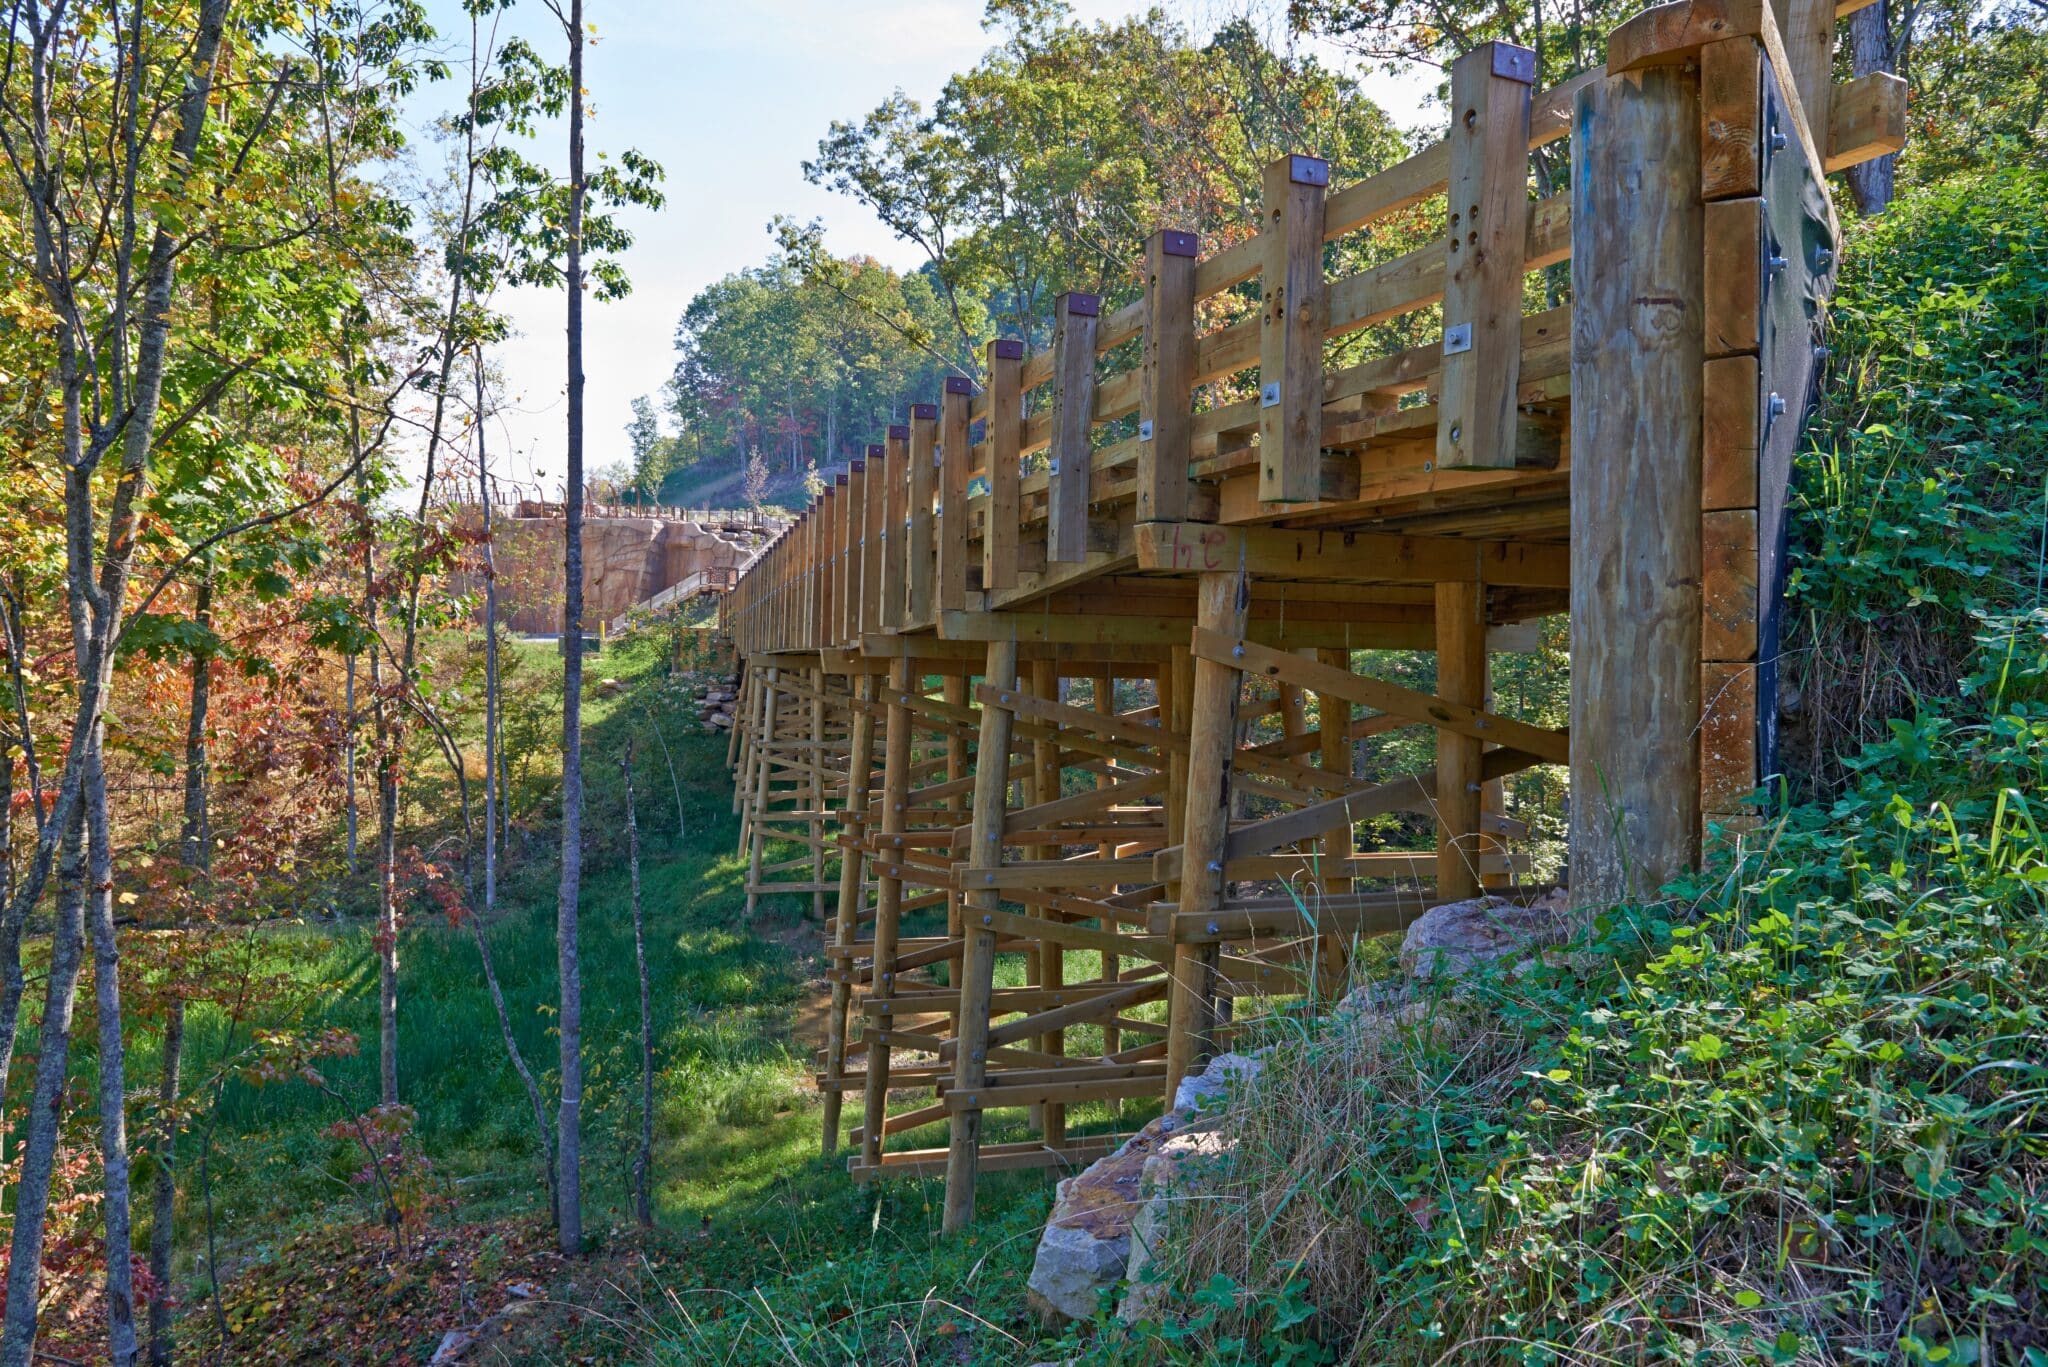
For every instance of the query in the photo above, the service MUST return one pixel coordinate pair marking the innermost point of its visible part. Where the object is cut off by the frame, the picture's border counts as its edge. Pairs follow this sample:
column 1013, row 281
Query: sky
column 730, row 98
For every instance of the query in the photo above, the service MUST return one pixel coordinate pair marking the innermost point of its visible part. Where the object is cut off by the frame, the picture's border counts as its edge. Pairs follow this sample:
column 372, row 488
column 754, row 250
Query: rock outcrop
column 1087, row 1243
column 1108, row 1221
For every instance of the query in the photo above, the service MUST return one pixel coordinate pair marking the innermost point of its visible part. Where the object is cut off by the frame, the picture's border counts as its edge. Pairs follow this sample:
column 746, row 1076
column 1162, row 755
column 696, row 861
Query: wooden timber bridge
column 1624, row 459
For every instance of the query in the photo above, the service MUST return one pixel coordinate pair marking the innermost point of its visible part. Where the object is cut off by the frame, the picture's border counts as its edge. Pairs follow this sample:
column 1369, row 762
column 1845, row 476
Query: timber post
column 1636, row 382
column 977, row 971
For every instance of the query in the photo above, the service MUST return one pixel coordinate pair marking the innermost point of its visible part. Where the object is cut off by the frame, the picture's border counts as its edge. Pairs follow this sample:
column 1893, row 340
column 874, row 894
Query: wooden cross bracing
column 1045, row 900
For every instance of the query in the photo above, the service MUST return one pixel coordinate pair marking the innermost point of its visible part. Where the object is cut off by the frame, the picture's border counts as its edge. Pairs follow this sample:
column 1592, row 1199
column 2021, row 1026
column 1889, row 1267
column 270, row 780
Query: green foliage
column 1044, row 167
column 1920, row 502
column 807, row 357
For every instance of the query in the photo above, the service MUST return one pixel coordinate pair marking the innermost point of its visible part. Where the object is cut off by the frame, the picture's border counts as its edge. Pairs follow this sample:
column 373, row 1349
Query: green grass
column 766, row 1249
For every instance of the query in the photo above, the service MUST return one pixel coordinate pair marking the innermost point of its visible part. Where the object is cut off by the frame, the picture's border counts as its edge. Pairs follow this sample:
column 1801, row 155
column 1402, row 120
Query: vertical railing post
column 1005, row 444
column 874, row 500
column 895, row 530
column 1488, row 219
column 1075, row 317
column 1166, row 379
column 1292, row 319
column 955, row 461
column 924, row 441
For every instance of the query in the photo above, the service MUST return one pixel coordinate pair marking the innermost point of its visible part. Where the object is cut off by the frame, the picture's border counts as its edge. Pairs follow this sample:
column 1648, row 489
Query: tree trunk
column 45, row 1112
column 12, row 983
column 643, row 1161
column 164, row 1195
column 569, row 1142
column 348, row 745
column 483, row 476
column 526, row 1078
column 115, row 1203
column 387, row 914
column 1871, row 50
column 195, row 852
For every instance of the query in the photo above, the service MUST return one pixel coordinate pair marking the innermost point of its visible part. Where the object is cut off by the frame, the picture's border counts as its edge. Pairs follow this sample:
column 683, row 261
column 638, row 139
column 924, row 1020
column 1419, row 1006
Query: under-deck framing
column 1623, row 457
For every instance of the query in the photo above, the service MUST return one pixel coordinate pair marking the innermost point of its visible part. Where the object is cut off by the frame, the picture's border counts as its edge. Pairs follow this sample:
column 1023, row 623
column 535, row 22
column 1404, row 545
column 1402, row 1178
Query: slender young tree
column 490, row 565
column 643, row 1160
column 569, row 1140
column 195, row 850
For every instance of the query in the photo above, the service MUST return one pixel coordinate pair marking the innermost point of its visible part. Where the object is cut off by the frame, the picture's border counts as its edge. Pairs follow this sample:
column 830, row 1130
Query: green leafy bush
column 1919, row 502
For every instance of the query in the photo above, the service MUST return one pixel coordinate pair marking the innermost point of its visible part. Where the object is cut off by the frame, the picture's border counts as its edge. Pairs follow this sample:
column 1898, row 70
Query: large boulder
column 1178, row 1166
column 1087, row 1241
column 1452, row 940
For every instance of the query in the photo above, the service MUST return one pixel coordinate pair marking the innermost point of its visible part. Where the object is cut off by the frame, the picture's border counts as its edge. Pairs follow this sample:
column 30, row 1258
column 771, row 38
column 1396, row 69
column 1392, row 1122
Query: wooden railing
column 1214, row 502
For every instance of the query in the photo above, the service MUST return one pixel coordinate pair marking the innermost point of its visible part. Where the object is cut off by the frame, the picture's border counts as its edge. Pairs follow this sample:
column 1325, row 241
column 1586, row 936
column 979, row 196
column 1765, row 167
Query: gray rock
column 1201, row 1089
column 1179, row 1163
column 454, row 1344
column 1455, row 938
column 1072, row 1264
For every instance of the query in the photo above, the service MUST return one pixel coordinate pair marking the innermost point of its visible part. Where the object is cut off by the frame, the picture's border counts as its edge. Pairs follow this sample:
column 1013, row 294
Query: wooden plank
column 1410, row 282
column 1731, row 119
column 1005, row 438
column 1730, row 435
column 1408, row 183
column 1021, row 1157
column 1734, row 279
column 1073, row 409
column 924, row 440
column 1292, row 318
column 1637, row 373
column 1370, row 557
column 1728, row 736
column 1383, row 696
column 1166, row 377
column 1488, row 204
column 1411, row 793
column 1673, row 33
column 1078, row 1012
column 1363, row 914
column 1807, row 30
column 1075, row 937
column 1085, row 872
column 1051, row 1093
column 1728, row 587
column 954, row 459
column 1866, row 120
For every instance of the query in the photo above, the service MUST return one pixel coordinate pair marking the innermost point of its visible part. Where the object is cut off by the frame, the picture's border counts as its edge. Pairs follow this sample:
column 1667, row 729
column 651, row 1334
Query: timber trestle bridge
column 1181, row 528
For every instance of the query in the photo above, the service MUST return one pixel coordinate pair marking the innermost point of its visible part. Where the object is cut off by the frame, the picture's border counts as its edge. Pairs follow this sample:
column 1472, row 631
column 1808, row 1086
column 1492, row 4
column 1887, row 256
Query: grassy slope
column 765, row 1249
